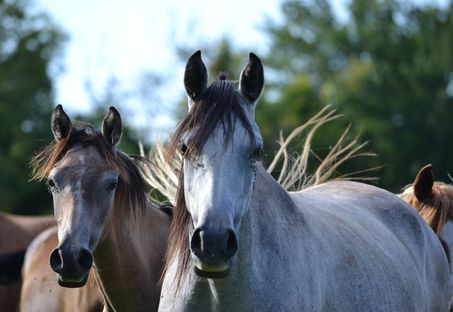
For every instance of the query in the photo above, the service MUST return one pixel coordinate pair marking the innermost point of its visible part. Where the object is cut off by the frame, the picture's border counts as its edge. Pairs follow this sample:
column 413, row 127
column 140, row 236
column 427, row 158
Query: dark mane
column 131, row 180
column 437, row 209
column 219, row 104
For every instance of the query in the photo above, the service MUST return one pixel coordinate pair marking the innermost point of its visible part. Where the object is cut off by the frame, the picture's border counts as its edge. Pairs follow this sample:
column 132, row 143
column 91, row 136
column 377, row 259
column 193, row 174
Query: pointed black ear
column 252, row 79
column 195, row 76
column 60, row 123
column 112, row 127
column 423, row 184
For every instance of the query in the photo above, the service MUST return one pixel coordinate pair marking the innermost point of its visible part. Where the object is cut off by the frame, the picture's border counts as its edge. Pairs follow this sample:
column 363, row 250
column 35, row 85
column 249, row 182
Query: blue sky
column 127, row 39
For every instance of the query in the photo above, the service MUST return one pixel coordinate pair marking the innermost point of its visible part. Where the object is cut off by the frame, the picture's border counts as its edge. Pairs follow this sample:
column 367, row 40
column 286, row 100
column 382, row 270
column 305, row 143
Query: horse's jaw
column 212, row 274
column 72, row 283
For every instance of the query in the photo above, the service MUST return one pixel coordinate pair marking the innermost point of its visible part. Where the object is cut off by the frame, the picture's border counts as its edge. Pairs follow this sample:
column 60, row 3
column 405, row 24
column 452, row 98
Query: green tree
column 114, row 95
column 29, row 43
column 388, row 67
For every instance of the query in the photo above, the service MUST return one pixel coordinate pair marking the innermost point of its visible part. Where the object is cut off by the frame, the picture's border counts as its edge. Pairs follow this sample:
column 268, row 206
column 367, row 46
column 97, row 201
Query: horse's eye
column 51, row 185
column 112, row 186
column 183, row 148
column 257, row 153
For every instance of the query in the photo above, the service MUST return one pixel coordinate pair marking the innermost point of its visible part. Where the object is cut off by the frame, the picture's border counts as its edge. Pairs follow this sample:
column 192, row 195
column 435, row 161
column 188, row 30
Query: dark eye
column 183, row 148
column 257, row 153
column 112, row 186
column 51, row 185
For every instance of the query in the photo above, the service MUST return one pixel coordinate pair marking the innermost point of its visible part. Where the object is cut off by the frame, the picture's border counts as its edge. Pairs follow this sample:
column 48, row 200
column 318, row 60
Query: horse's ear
column 195, row 76
column 112, row 127
column 423, row 184
column 252, row 79
column 60, row 123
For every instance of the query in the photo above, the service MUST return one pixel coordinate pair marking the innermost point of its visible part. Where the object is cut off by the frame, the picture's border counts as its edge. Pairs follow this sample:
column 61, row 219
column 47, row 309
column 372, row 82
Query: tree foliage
column 29, row 43
column 387, row 66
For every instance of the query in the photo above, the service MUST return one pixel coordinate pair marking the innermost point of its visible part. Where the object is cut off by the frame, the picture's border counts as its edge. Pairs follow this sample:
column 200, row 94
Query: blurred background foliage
column 28, row 44
column 387, row 66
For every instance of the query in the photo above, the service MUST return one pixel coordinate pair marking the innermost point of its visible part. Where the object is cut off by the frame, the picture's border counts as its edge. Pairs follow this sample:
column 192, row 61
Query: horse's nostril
column 56, row 261
column 212, row 245
column 195, row 243
column 85, row 259
column 231, row 244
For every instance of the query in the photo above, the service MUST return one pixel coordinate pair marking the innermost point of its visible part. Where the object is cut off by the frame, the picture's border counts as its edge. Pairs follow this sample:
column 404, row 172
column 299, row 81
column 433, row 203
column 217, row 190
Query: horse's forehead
column 240, row 138
column 87, row 158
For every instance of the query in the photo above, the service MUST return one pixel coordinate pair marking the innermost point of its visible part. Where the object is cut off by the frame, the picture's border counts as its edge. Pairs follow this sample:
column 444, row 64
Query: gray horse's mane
column 219, row 104
column 163, row 175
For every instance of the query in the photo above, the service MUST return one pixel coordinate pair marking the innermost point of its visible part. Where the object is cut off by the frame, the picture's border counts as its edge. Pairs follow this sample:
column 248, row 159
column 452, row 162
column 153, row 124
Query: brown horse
column 16, row 232
column 103, row 214
column 40, row 290
column 433, row 200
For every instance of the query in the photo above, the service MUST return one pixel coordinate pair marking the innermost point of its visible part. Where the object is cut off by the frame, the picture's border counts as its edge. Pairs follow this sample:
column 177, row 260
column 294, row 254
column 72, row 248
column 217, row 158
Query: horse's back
column 16, row 232
column 374, row 248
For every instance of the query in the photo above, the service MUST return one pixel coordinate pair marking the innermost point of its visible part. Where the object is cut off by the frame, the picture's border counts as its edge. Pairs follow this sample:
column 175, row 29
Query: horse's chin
column 72, row 284
column 212, row 274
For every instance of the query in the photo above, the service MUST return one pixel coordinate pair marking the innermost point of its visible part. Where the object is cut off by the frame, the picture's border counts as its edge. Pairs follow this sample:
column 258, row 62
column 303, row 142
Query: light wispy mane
column 293, row 165
column 131, row 181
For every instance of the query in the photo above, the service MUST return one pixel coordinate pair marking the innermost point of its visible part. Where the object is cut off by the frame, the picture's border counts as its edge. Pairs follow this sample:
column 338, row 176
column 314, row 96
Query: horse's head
column 220, row 142
column 82, row 174
column 432, row 199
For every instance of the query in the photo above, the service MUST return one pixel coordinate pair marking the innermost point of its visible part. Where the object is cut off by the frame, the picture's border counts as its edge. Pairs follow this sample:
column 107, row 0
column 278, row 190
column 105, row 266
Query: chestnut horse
column 433, row 200
column 103, row 214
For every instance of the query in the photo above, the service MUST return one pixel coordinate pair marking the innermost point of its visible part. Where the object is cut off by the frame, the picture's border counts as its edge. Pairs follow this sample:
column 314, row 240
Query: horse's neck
column 271, row 214
column 130, row 255
column 271, row 208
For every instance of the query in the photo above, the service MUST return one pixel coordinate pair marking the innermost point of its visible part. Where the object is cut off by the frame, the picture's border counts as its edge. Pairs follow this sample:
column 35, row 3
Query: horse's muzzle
column 72, row 266
column 212, row 251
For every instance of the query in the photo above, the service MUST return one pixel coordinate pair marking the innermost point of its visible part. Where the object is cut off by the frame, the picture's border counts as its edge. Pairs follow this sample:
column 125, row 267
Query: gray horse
column 240, row 242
